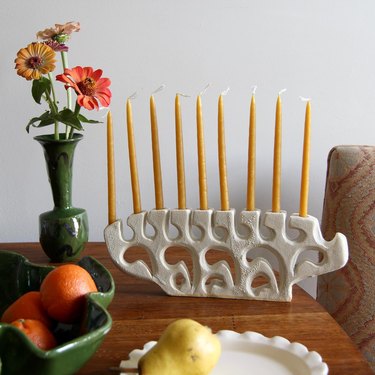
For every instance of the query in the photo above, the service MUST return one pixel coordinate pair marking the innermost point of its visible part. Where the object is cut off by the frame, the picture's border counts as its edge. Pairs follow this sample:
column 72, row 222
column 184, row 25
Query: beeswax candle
column 180, row 156
column 304, row 195
column 111, row 171
column 201, row 157
column 276, row 186
column 158, row 185
column 224, row 196
column 133, row 159
column 251, row 164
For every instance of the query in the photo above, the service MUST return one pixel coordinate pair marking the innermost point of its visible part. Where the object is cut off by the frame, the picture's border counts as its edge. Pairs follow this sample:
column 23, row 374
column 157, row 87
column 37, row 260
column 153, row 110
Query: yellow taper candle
column 201, row 158
column 224, row 196
column 180, row 156
column 251, row 163
column 304, row 195
column 133, row 159
column 111, row 172
column 276, row 186
column 159, row 200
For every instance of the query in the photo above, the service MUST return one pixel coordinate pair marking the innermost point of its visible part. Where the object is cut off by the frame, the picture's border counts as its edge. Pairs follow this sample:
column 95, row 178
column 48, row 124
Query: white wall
column 319, row 49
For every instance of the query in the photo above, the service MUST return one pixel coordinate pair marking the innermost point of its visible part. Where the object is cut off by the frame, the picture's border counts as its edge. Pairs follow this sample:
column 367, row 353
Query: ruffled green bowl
column 77, row 343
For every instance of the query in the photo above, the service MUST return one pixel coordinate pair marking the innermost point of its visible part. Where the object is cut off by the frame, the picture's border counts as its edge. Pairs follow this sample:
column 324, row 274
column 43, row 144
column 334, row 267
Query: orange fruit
column 28, row 306
column 63, row 292
column 37, row 332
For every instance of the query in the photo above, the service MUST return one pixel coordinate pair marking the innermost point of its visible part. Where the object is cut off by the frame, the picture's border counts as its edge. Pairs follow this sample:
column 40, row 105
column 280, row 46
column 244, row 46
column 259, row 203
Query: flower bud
column 61, row 38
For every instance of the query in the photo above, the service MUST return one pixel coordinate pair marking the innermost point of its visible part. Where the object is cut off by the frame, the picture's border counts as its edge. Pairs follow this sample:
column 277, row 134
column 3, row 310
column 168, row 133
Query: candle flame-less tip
column 225, row 92
column 133, row 96
column 282, row 91
column 183, row 95
column 108, row 113
column 160, row 88
column 205, row 89
column 305, row 99
column 253, row 89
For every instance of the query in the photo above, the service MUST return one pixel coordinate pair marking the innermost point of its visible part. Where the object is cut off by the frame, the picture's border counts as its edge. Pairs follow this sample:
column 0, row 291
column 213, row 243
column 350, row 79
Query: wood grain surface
column 141, row 311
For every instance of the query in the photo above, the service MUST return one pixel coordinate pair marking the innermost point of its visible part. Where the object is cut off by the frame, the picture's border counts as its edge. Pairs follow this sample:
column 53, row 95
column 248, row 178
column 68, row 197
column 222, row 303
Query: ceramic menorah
column 217, row 280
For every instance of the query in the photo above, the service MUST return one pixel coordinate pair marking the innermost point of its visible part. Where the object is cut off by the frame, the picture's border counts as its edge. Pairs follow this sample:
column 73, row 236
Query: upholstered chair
column 349, row 207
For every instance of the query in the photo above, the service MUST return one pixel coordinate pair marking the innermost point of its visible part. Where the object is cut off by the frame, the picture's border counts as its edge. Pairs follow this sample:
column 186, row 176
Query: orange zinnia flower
column 88, row 85
column 34, row 60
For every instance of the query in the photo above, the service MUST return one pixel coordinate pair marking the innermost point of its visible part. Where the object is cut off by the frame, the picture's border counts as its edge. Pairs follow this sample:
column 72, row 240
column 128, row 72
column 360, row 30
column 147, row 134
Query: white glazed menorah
column 217, row 280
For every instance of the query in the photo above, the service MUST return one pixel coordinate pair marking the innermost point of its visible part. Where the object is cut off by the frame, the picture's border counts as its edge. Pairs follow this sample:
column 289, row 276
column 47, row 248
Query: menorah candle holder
column 217, row 280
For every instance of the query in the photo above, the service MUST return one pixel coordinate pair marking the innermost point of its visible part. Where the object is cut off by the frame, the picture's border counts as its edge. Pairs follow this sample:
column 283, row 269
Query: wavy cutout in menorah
column 217, row 280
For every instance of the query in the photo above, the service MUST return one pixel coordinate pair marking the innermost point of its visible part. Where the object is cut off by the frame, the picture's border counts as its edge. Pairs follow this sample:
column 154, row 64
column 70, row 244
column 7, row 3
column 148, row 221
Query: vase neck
column 59, row 157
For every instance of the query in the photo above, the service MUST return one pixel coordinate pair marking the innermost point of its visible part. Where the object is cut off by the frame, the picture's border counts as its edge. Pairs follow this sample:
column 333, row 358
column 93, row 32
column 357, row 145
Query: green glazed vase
column 63, row 231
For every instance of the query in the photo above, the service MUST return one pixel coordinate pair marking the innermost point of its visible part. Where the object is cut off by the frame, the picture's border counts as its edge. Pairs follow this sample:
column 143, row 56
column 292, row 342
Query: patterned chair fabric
column 349, row 207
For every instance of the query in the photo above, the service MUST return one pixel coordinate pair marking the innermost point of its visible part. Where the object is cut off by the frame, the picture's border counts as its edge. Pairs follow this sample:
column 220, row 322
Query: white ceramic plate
column 252, row 353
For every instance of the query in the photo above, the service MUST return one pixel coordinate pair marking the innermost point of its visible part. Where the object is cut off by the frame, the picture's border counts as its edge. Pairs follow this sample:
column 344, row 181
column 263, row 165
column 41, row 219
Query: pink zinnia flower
column 89, row 86
column 56, row 46
column 59, row 30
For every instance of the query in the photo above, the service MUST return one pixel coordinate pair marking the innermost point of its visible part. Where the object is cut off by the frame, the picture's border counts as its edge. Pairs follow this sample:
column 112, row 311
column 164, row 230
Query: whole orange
column 28, row 306
column 37, row 332
column 63, row 292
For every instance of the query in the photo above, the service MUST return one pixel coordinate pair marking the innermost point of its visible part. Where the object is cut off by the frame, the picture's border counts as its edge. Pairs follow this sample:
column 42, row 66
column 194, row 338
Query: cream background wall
column 319, row 49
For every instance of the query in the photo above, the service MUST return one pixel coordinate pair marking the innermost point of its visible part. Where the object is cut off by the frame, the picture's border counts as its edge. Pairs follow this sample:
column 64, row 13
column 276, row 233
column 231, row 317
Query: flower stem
column 52, row 87
column 76, row 112
column 53, row 105
column 64, row 58
column 77, row 109
column 56, row 135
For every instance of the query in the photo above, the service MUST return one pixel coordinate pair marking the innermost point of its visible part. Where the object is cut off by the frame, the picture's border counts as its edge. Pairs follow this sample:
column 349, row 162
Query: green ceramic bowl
column 77, row 343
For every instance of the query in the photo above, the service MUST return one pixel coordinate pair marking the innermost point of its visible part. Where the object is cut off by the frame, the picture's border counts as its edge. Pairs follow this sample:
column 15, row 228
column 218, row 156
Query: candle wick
column 183, row 95
column 133, row 96
column 282, row 91
column 205, row 89
column 225, row 92
column 254, row 88
column 305, row 99
column 160, row 88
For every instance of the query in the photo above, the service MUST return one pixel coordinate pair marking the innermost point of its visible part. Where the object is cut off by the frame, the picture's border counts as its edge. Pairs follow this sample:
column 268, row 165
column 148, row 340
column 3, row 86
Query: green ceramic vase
column 63, row 231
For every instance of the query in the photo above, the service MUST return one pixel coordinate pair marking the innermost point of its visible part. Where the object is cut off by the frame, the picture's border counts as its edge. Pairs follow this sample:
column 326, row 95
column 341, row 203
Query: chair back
column 349, row 207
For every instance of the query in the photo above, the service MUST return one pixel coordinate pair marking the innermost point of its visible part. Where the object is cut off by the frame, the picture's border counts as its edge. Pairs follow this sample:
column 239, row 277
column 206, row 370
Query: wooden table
column 141, row 311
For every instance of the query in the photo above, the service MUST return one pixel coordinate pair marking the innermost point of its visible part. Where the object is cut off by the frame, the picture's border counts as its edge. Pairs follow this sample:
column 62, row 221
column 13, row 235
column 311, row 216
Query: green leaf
column 68, row 117
column 39, row 87
column 46, row 122
column 45, row 119
column 31, row 123
column 84, row 119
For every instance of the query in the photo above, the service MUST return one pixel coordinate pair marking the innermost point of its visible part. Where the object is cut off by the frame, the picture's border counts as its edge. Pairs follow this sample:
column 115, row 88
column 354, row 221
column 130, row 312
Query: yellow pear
column 185, row 348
